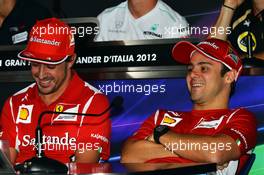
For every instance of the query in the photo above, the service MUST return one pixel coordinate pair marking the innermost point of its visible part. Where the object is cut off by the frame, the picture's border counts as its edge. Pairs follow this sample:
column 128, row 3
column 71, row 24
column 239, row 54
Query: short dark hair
column 69, row 58
column 224, row 70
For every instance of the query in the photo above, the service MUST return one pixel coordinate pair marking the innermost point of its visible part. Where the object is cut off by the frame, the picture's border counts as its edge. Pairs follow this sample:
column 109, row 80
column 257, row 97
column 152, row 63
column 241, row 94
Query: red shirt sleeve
column 242, row 127
column 8, row 124
column 146, row 129
column 95, row 131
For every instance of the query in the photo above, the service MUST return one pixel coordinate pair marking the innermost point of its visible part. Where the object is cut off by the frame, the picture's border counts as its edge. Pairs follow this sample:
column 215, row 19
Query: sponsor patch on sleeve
column 24, row 114
column 169, row 120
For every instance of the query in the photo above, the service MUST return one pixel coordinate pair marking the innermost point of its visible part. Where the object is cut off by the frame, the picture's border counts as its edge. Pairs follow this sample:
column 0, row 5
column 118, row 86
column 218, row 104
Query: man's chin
column 45, row 91
column 196, row 99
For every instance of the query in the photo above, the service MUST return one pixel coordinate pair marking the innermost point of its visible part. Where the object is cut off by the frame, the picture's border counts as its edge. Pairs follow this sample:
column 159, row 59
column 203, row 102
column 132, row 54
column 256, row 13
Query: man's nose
column 41, row 71
column 194, row 73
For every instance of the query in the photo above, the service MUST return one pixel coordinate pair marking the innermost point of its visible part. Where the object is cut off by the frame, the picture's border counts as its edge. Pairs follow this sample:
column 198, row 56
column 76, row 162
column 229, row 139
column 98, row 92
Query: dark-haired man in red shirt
column 57, row 87
column 211, row 132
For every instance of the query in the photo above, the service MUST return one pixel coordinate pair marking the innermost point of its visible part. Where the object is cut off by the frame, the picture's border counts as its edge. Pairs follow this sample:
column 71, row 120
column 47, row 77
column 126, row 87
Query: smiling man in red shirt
column 57, row 87
column 211, row 132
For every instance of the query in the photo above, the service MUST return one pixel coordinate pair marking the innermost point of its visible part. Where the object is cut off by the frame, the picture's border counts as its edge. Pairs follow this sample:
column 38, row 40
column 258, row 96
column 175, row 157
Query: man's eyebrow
column 201, row 63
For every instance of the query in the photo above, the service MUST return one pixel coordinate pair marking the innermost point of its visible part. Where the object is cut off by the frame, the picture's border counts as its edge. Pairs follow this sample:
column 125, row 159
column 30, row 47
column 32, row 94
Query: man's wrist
column 229, row 7
column 159, row 131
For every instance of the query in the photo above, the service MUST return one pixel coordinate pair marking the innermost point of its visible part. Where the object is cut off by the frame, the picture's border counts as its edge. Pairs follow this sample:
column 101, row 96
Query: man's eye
column 204, row 69
column 34, row 64
column 51, row 66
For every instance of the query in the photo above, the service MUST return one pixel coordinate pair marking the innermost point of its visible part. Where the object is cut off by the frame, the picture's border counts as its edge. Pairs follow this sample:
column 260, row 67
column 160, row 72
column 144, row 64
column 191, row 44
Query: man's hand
column 221, row 167
column 150, row 138
column 87, row 156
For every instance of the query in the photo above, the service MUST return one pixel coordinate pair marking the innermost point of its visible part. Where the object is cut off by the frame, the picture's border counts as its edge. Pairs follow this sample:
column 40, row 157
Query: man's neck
column 1, row 21
column 219, row 102
column 258, row 6
column 6, row 6
column 50, row 98
column 139, row 8
column 209, row 106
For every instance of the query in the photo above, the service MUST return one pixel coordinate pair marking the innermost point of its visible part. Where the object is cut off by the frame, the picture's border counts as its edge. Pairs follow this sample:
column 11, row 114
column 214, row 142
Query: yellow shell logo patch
column 24, row 113
column 59, row 108
column 168, row 120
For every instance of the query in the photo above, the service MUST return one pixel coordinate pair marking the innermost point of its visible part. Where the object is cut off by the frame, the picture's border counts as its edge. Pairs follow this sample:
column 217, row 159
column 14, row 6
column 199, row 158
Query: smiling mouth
column 44, row 83
column 194, row 85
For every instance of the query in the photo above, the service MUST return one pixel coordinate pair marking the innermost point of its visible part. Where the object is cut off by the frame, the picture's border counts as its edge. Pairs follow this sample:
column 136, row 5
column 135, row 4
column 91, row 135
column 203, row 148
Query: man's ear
column 72, row 61
column 230, row 76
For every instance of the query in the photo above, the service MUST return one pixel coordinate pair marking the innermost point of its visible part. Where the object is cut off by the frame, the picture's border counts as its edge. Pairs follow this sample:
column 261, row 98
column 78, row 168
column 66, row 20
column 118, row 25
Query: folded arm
column 199, row 148
column 138, row 151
